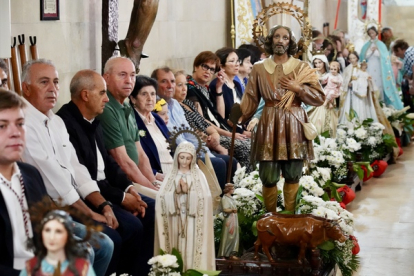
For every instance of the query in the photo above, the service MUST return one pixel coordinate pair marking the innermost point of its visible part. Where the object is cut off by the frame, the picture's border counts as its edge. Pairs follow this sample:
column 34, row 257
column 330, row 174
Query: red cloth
column 349, row 194
column 379, row 167
column 366, row 177
column 81, row 265
column 356, row 248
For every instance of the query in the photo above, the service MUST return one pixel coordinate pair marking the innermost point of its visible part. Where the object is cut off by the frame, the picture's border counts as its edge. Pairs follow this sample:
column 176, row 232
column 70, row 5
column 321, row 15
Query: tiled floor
column 384, row 220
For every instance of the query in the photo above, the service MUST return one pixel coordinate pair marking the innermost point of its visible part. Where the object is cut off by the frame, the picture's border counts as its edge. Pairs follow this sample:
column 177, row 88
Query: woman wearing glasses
column 204, row 67
column 225, row 91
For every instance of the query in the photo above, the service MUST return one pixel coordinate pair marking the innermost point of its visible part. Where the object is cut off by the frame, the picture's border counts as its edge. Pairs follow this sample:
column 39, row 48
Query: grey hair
column 110, row 63
column 179, row 73
column 28, row 65
column 3, row 66
column 84, row 79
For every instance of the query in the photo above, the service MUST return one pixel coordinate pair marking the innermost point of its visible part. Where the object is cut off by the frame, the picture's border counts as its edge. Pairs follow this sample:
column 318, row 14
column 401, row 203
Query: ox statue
column 304, row 231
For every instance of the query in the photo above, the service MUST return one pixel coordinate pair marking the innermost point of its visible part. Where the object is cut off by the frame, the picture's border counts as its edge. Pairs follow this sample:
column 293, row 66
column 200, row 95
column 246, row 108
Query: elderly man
column 405, row 52
column 166, row 90
column 120, row 129
column 88, row 93
column 51, row 152
column 4, row 71
column 280, row 143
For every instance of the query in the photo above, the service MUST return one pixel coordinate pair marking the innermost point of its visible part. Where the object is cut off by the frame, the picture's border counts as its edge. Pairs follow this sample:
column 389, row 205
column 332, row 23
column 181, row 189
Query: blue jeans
column 102, row 246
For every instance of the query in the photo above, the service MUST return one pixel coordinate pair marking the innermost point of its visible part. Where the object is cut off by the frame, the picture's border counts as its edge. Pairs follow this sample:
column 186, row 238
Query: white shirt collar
column 36, row 114
column 144, row 119
column 16, row 172
column 89, row 121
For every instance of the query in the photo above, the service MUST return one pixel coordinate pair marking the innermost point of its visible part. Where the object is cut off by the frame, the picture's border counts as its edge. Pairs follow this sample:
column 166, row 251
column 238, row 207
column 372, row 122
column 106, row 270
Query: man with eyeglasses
column 4, row 71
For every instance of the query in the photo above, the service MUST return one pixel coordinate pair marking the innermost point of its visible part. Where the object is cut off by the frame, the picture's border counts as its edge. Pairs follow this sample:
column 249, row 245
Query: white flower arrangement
column 163, row 265
column 246, row 201
column 142, row 133
column 329, row 209
column 329, row 155
column 310, row 187
column 363, row 137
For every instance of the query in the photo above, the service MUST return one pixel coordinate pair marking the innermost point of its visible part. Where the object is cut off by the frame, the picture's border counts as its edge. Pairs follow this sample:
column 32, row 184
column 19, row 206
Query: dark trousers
column 133, row 240
column 407, row 97
column 220, row 164
column 269, row 171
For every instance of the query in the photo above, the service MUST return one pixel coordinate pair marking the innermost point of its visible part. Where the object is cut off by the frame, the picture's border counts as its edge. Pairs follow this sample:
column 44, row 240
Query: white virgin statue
column 184, row 212
column 357, row 92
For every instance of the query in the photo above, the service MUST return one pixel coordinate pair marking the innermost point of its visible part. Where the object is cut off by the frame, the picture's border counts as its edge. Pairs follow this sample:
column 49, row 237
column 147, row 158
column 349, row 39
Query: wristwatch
column 103, row 204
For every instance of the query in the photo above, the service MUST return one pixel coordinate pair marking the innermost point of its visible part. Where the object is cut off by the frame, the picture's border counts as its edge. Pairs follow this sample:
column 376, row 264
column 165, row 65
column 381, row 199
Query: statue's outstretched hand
column 253, row 122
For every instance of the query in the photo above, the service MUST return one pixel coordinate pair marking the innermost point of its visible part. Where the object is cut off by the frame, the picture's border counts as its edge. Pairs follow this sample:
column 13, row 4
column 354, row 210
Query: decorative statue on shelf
column 280, row 143
column 357, row 92
column 376, row 54
column 304, row 231
column 184, row 212
column 56, row 250
column 229, row 242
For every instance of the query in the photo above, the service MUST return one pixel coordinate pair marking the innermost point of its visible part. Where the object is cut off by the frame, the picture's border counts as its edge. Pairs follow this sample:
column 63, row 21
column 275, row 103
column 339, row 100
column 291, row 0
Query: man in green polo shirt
column 119, row 126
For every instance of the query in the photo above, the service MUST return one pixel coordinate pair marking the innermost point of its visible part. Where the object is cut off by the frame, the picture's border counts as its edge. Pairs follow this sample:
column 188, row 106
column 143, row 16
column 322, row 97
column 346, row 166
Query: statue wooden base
column 286, row 264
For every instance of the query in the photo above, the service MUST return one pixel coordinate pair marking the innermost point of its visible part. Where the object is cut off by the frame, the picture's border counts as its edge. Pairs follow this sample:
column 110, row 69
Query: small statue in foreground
column 57, row 252
column 304, row 231
column 229, row 242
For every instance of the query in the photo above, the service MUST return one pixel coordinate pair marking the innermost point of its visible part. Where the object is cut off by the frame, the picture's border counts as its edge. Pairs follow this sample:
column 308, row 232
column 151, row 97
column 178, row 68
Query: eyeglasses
column 208, row 68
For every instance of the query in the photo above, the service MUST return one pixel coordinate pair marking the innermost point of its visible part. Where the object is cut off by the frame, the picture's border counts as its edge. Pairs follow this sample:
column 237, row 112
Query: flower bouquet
column 248, row 196
column 172, row 265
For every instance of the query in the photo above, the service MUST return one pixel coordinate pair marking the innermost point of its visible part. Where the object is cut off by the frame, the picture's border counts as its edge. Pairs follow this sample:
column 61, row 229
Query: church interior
column 77, row 35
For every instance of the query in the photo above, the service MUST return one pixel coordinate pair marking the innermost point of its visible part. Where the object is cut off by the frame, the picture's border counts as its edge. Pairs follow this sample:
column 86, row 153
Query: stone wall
column 401, row 20
column 181, row 30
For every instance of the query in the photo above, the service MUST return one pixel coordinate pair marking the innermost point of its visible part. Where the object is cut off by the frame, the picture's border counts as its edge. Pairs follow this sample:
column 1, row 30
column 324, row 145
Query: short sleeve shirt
column 119, row 127
column 409, row 61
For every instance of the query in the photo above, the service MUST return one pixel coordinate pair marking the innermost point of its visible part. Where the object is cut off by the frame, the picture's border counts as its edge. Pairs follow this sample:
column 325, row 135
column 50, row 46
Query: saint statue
column 229, row 242
column 357, row 92
column 376, row 54
column 184, row 212
column 280, row 143
column 57, row 252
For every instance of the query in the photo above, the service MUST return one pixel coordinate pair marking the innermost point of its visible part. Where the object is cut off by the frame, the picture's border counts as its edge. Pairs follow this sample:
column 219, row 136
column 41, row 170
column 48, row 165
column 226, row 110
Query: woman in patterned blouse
column 241, row 147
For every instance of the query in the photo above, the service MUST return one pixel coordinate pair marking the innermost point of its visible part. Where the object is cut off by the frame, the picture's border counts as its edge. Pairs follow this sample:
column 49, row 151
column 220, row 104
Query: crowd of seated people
column 107, row 155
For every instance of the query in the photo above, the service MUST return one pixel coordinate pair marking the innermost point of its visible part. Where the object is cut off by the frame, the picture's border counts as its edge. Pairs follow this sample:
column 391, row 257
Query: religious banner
column 360, row 12
column 245, row 11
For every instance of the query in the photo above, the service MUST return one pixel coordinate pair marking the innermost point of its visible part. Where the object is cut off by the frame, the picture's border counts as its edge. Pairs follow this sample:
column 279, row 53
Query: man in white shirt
column 50, row 151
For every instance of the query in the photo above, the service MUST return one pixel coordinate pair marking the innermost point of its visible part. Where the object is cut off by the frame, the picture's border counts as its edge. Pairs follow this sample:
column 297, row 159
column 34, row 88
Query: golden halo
column 259, row 29
column 182, row 130
column 372, row 23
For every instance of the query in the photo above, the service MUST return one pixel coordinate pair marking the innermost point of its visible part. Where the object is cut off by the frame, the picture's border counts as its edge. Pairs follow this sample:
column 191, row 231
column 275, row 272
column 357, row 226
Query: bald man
column 135, row 214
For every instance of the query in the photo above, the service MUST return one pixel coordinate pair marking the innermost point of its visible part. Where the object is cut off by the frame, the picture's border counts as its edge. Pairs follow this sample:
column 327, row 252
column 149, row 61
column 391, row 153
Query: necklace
column 21, row 200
